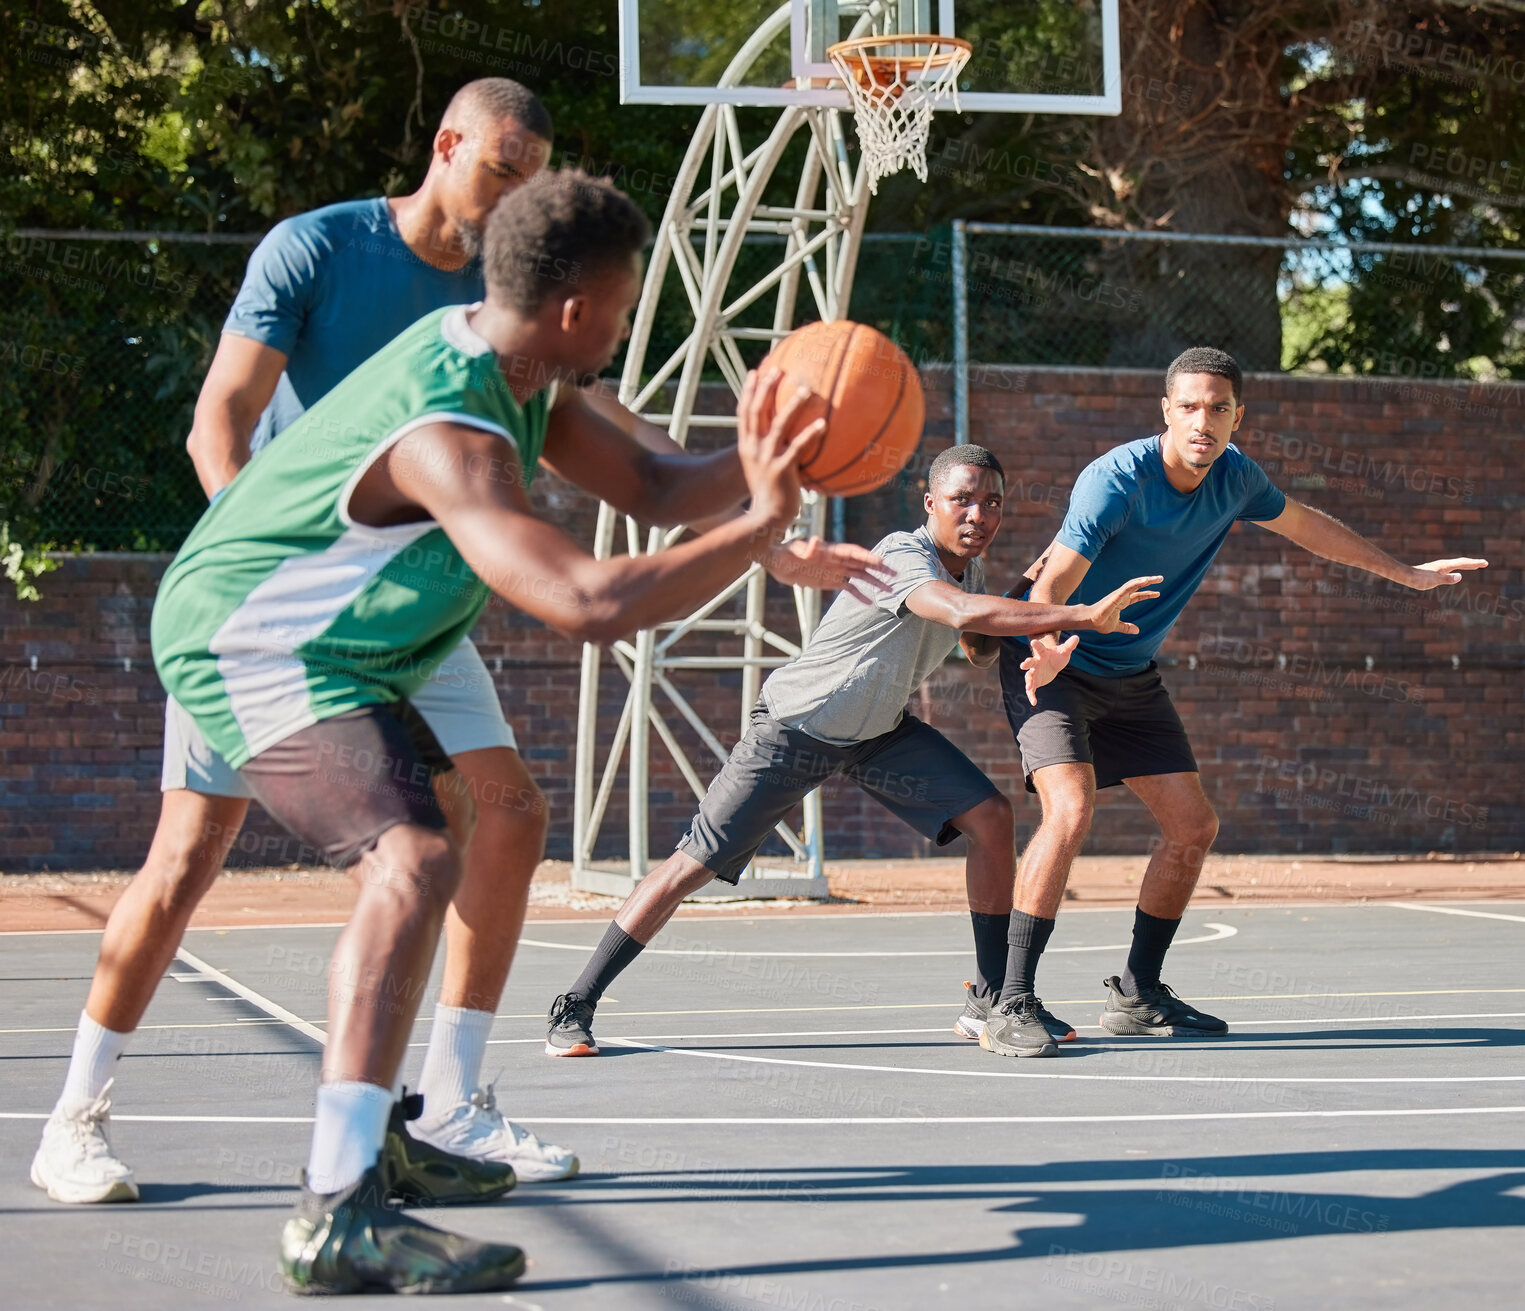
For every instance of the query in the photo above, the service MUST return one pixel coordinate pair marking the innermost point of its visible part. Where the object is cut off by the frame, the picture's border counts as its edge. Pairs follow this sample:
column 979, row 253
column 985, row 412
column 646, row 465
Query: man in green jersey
column 346, row 561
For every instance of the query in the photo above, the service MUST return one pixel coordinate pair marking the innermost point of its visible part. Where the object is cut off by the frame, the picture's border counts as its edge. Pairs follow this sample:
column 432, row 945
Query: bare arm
column 662, row 487
column 801, row 562
column 1325, row 536
column 1002, row 616
column 238, row 386
column 980, row 649
column 542, row 570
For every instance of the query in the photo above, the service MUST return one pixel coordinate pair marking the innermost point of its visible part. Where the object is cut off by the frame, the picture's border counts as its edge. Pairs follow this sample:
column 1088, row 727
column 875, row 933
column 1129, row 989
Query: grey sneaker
column 1016, row 1028
column 971, row 1021
column 571, row 1027
column 1156, row 1011
column 976, row 1014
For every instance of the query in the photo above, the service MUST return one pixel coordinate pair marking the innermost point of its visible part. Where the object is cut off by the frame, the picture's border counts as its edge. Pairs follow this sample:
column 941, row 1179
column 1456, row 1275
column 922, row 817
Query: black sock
column 615, row 951
column 1027, row 936
column 1151, row 940
column 989, row 952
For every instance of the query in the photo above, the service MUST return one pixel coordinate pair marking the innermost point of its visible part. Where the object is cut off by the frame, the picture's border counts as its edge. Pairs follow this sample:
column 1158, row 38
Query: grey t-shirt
column 860, row 666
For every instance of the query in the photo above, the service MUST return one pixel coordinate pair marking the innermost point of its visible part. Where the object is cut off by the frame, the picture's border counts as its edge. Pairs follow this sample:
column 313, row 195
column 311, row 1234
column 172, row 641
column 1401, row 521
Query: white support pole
column 960, row 333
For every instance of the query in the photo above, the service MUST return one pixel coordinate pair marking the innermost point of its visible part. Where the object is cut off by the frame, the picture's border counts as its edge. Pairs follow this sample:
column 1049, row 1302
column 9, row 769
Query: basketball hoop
column 895, row 82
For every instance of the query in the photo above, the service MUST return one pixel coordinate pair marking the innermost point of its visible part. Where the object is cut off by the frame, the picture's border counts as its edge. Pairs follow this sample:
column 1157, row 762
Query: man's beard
column 468, row 238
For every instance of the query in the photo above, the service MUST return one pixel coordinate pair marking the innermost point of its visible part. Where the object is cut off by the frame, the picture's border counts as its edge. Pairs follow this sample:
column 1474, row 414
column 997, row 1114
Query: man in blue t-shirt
column 1164, row 504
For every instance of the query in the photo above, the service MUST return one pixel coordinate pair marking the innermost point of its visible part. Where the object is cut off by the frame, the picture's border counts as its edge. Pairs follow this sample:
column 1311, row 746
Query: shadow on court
column 1197, row 1202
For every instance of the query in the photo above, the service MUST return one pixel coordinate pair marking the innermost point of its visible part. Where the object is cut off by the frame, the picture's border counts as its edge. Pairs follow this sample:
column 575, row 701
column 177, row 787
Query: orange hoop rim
column 884, row 70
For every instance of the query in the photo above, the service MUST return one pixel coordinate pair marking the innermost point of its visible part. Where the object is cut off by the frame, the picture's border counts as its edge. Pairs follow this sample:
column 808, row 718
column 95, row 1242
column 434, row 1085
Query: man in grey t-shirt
column 839, row 708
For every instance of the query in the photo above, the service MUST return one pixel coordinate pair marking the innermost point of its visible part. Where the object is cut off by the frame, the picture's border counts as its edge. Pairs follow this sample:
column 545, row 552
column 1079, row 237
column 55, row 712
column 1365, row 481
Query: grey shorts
column 341, row 783
column 460, row 705
column 1122, row 727
column 913, row 771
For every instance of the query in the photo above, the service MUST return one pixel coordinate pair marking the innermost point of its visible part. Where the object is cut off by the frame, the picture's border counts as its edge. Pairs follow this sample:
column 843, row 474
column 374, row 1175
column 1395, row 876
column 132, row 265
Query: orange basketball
column 874, row 403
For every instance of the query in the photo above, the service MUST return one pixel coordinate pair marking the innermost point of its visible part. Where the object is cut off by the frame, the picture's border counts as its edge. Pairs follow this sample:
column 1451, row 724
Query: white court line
column 253, row 998
column 854, row 915
column 1451, row 910
column 881, row 1006
column 948, row 1028
column 785, row 1121
column 1045, row 1074
column 1220, row 931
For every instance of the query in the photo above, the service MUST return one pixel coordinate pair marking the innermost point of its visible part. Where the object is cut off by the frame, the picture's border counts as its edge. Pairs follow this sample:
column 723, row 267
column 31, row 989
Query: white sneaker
column 477, row 1129
column 74, row 1162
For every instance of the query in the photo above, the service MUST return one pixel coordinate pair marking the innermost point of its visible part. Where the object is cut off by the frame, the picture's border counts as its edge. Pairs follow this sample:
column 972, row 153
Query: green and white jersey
column 280, row 611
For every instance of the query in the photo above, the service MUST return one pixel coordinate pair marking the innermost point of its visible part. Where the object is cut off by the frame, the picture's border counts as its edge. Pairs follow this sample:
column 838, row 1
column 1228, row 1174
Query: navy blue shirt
column 329, row 289
column 1128, row 521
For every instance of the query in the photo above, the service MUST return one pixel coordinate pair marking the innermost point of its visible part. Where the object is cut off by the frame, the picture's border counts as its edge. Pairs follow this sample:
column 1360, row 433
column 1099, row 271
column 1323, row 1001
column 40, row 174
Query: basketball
column 874, row 403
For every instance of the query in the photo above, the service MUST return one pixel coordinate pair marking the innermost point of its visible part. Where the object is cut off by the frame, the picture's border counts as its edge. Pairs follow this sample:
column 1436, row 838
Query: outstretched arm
column 1001, row 616
column 629, row 468
column 543, row 571
column 1325, row 536
column 802, row 562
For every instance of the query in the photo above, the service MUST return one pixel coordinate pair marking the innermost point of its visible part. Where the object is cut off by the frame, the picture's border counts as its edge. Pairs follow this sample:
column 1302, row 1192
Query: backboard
column 1030, row 56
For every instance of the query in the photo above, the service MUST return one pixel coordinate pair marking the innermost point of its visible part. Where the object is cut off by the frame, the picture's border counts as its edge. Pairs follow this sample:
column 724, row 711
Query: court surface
column 783, row 1118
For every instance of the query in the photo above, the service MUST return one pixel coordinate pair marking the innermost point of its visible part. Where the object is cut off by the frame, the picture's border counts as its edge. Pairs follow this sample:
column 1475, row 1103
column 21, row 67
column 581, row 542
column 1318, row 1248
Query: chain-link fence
column 105, row 338
column 1033, row 295
column 104, row 342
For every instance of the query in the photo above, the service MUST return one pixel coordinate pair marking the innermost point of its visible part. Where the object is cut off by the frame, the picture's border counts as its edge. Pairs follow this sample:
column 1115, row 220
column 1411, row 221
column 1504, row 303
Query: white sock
column 347, row 1133
column 453, row 1063
column 96, row 1049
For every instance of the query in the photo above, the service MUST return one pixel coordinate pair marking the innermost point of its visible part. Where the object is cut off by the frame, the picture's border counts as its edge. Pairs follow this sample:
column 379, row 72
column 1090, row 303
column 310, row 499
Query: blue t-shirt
column 329, row 289
column 1128, row 521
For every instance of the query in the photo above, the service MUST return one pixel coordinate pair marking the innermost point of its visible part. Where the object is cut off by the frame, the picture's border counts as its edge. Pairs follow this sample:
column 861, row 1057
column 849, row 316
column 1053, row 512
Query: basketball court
column 783, row 1115
column 783, row 1118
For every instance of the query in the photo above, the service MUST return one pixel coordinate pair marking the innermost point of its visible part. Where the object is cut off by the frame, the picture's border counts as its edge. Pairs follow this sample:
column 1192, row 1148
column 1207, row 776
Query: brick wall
column 1329, row 711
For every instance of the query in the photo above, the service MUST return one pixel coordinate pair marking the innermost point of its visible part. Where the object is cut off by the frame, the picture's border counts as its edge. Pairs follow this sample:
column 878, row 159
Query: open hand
column 830, row 566
column 1045, row 662
column 1105, row 615
column 770, row 438
column 1442, row 573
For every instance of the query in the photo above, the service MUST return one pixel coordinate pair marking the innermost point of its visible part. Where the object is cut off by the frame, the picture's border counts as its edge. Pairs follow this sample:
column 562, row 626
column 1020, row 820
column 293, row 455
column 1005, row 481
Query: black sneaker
column 977, row 1007
column 571, row 1031
column 1155, row 1010
column 357, row 1241
column 1016, row 1028
column 971, row 1023
column 1059, row 1030
column 420, row 1174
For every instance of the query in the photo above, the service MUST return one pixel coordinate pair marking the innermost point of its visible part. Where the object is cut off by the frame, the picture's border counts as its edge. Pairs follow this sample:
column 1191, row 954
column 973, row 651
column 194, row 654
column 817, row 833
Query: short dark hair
column 493, row 99
column 1206, row 359
column 559, row 229
column 954, row 456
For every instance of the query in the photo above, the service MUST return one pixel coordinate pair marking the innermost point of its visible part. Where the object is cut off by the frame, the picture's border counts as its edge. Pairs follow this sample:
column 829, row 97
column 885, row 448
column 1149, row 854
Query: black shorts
column 913, row 771
column 341, row 783
column 1122, row 727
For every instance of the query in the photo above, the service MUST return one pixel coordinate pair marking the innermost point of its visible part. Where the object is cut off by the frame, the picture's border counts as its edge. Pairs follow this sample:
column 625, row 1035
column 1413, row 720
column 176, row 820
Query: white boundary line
column 253, row 998
column 784, row 1121
column 1056, row 1075
column 948, row 1028
column 1451, row 910
column 1216, row 908
column 1220, row 932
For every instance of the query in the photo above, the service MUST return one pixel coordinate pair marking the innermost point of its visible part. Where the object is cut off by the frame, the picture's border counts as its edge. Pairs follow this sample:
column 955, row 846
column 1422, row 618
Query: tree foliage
column 1399, row 121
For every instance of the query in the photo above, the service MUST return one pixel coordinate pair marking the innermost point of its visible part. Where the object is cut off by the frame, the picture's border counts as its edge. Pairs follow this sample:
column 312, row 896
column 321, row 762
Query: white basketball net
column 895, row 82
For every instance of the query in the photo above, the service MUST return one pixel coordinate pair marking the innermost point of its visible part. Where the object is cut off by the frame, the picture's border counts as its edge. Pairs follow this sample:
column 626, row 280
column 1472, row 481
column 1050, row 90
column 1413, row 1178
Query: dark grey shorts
column 1122, row 727
column 913, row 771
column 341, row 783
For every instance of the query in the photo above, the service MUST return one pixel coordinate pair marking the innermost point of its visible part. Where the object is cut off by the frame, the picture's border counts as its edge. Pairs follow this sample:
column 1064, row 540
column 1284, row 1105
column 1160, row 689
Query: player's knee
column 1069, row 816
column 989, row 824
column 1193, row 832
column 416, row 866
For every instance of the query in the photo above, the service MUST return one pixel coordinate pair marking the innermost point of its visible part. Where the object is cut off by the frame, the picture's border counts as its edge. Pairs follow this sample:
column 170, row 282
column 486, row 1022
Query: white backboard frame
column 633, row 92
